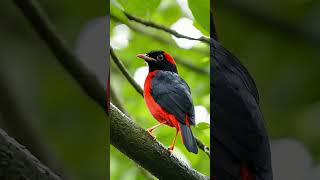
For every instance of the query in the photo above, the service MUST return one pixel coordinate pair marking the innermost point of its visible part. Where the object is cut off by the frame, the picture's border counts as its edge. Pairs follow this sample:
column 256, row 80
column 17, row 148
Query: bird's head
column 159, row 60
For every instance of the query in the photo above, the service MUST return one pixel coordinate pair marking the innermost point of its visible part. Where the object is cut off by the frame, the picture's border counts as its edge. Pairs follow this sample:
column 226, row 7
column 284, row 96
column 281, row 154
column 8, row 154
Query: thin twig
column 192, row 67
column 125, row 72
column 140, row 91
column 164, row 28
column 203, row 147
column 154, row 35
column 115, row 100
column 184, row 63
column 125, row 134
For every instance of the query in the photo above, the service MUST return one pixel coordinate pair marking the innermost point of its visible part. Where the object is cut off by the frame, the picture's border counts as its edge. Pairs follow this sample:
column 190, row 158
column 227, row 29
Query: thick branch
column 125, row 135
column 149, row 153
column 140, row 91
column 16, row 162
column 88, row 82
column 166, row 29
column 16, row 122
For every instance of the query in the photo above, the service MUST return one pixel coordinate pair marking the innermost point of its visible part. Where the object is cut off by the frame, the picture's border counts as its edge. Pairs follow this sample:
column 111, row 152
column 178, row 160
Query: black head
column 159, row 60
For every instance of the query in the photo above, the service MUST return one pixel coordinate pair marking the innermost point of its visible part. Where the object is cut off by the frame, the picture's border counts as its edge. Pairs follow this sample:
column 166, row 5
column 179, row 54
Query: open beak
column 145, row 57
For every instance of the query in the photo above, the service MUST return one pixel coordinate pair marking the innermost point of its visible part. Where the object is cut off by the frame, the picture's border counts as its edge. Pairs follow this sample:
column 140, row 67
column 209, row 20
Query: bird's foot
column 150, row 133
column 170, row 149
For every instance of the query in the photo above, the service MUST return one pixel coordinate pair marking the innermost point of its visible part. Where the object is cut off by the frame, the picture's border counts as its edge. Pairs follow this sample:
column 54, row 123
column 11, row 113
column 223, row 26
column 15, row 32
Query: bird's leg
column 149, row 130
column 173, row 143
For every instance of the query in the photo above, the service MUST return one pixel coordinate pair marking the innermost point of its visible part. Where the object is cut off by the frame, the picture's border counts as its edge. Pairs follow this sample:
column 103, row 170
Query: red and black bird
column 168, row 97
column 241, row 149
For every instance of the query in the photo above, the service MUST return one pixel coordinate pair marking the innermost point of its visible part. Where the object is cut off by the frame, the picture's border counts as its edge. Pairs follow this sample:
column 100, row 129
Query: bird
column 241, row 149
column 168, row 98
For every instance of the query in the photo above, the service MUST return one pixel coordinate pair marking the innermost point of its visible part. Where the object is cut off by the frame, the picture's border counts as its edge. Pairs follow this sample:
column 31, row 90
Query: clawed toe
column 150, row 133
column 170, row 149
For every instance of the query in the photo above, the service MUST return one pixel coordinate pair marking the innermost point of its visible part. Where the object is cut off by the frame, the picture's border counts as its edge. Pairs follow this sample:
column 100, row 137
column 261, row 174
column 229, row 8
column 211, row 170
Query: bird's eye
column 160, row 57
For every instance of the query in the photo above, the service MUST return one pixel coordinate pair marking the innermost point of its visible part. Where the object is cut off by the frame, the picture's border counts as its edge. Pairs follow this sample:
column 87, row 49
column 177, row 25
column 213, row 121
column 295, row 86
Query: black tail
column 188, row 138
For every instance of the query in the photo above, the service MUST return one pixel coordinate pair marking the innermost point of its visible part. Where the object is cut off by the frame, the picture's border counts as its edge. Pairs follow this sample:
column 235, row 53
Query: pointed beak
column 145, row 57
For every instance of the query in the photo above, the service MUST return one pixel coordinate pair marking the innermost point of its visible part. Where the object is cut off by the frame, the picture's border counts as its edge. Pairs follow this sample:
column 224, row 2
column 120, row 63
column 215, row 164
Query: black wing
column 173, row 94
column 239, row 135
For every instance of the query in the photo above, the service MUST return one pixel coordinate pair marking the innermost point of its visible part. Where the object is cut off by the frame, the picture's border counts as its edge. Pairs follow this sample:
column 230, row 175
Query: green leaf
column 201, row 11
column 203, row 126
column 141, row 8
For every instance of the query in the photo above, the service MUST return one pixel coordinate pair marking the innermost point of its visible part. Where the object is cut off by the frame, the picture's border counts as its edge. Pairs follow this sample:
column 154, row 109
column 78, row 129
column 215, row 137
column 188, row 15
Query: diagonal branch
column 125, row 72
column 140, row 91
column 18, row 124
column 151, row 155
column 125, row 134
column 86, row 80
column 154, row 35
column 18, row 163
column 192, row 67
column 164, row 28
column 184, row 63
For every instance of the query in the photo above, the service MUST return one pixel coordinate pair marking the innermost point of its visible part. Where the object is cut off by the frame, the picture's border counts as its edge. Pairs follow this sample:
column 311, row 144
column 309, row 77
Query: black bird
column 240, row 144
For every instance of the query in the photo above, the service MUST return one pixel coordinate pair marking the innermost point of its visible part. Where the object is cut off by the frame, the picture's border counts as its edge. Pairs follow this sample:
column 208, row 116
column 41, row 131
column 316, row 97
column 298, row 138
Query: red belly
column 156, row 110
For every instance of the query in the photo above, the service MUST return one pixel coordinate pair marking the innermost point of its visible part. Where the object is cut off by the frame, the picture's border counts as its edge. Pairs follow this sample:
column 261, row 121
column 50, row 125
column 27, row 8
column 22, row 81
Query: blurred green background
column 129, row 39
column 69, row 126
column 278, row 41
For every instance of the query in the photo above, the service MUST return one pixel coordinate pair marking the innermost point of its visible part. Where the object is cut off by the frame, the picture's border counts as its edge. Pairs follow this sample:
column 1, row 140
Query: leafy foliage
column 166, row 14
column 140, row 8
column 201, row 12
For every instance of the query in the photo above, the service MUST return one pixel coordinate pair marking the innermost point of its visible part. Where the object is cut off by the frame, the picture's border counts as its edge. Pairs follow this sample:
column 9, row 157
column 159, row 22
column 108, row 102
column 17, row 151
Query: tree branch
column 192, row 67
column 140, row 91
column 184, row 63
column 16, row 122
column 125, row 72
column 87, row 81
column 153, row 35
column 125, row 134
column 151, row 155
column 163, row 28
column 16, row 162
column 115, row 100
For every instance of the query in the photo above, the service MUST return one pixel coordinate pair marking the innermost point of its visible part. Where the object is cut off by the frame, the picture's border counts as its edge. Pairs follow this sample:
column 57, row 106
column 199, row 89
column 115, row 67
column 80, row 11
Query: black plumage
column 173, row 94
column 238, row 134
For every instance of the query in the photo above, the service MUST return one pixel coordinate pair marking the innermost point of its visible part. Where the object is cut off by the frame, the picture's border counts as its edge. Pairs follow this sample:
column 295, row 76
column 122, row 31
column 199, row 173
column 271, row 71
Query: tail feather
column 188, row 138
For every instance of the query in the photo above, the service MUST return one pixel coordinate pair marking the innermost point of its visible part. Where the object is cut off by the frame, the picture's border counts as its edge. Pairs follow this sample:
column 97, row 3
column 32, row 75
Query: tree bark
column 17, row 163
column 138, row 145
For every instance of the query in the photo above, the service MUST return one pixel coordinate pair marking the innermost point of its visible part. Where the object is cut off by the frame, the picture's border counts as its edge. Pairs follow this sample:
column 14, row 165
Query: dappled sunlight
column 202, row 114
column 185, row 26
column 121, row 36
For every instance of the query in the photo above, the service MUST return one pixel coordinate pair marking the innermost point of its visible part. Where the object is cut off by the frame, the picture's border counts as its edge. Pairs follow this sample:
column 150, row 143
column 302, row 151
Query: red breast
column 156, row 110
